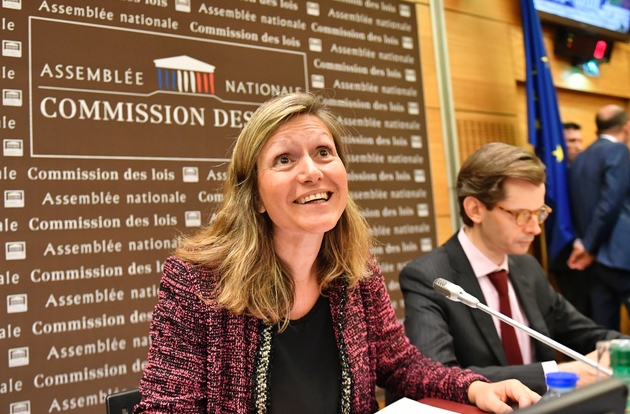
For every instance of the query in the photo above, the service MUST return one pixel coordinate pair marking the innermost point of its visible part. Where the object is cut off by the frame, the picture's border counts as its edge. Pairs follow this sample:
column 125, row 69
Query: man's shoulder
column 602, row 145
column 434, row 255
column 601, row 154
column 434, row 264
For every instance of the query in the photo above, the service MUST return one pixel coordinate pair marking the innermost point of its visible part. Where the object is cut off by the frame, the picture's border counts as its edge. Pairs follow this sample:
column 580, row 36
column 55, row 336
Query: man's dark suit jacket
column 599, row 184
column 457, row 335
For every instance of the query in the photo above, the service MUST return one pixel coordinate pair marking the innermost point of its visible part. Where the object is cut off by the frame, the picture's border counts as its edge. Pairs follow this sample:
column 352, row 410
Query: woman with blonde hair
column 277, row 306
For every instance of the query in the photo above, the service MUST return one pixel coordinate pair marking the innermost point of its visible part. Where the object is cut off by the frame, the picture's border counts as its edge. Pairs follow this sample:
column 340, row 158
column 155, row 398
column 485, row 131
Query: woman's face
column 302, row 182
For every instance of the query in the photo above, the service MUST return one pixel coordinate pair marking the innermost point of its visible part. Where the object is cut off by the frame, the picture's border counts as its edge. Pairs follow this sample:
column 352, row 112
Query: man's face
column 500, row 235
column 573, row 140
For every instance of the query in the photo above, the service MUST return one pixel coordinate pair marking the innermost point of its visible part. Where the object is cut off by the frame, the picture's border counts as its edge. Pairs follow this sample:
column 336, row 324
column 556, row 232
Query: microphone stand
column 545, row 340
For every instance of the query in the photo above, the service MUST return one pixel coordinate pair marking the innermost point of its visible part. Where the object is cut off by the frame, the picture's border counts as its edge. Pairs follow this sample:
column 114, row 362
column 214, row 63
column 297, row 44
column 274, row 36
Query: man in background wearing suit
column 599, row 187
column 501, row 192
column 575, row 285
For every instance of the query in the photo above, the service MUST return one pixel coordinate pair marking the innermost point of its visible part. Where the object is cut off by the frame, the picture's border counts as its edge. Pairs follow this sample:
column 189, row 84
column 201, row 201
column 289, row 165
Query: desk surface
column 452, row 406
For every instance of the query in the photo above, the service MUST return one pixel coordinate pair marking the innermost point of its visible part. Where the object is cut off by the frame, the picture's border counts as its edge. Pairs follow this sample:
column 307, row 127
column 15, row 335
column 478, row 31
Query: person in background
column 501, row 192
column 575, row 285
column 573, row 140
column 278, row 306
column 599, row 188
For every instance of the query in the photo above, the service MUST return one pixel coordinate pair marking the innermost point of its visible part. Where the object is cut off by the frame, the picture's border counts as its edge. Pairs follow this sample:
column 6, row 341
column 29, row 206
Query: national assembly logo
column 185, row 74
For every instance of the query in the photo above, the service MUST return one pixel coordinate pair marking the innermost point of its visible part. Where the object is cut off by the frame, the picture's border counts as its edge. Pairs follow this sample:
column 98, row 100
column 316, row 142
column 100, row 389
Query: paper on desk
column 409, row 406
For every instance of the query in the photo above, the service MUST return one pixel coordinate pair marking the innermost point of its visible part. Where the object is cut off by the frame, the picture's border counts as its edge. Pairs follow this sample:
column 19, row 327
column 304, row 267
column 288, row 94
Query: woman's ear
column 475, row 209
column 260, row 207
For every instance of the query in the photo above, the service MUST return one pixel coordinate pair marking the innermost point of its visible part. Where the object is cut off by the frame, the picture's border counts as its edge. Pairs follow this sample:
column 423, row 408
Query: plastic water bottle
column 559, row 383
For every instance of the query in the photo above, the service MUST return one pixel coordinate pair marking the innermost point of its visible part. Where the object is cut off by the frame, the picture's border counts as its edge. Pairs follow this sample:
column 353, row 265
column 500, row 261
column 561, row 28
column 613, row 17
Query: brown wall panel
column 475, row 130
column 502, row 10
column 481, row 64
column 581, row 107
column 522, row 115
column 444, row 228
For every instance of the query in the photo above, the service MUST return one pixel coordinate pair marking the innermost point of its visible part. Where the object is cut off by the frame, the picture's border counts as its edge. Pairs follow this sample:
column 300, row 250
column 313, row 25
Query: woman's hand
column 492, row 397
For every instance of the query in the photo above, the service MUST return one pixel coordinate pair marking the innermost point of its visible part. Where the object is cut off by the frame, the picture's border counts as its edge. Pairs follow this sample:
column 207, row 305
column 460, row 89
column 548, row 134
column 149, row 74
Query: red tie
column 508, row 334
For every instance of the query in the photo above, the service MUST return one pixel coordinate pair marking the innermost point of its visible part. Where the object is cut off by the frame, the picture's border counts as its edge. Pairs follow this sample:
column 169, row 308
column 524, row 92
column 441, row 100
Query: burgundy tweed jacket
column 204, row 359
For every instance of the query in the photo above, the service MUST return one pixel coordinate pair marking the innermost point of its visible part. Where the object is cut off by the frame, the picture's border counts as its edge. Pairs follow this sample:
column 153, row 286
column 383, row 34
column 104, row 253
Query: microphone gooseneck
column 457, row 294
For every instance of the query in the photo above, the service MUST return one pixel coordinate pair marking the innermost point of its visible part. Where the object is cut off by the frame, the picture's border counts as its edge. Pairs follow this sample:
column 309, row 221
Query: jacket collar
column 464, row 276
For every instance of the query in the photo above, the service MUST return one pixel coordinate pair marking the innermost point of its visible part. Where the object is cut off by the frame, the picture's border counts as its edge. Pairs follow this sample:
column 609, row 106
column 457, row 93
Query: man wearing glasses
column 501, row 190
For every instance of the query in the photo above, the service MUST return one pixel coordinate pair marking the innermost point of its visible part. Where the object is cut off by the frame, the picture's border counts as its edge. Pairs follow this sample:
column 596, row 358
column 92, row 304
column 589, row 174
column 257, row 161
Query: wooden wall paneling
column 521, row 115
column 475, row 130
column 482, row 69
column 518, row 52
column 444, row 228
column 581, row 108
column 502, row 10
column 614, row 77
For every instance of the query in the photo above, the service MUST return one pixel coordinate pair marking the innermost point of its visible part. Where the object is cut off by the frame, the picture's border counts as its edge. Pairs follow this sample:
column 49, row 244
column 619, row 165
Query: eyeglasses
column 523, row 216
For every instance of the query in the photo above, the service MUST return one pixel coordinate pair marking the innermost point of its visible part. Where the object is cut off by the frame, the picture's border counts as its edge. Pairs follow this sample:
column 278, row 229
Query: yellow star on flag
column 558, row 153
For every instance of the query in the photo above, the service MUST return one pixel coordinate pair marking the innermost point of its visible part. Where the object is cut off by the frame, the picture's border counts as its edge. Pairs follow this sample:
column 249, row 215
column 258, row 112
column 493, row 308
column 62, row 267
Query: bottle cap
column 561, row 379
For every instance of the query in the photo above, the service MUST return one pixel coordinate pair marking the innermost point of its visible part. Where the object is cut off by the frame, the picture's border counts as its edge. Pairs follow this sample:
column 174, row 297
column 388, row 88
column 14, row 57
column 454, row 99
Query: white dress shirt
column 482, row 266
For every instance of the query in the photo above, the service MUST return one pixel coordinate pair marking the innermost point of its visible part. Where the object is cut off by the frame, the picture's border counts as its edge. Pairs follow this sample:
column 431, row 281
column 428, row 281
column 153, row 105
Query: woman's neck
column 300, row 257
column 299, row 254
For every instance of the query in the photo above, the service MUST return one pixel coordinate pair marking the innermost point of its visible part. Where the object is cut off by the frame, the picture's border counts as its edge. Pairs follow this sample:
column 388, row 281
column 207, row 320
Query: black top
column 305, row 367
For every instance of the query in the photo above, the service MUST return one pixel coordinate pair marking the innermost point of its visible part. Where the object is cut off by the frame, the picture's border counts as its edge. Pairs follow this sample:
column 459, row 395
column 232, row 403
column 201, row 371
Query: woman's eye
column 324, row 152
column 283, row 159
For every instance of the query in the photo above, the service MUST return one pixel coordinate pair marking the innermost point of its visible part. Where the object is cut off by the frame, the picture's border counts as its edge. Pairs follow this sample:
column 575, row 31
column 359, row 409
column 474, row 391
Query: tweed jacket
column 204, row 359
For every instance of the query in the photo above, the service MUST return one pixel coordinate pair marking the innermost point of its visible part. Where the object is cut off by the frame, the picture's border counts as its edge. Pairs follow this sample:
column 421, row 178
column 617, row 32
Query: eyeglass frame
column 531, row 213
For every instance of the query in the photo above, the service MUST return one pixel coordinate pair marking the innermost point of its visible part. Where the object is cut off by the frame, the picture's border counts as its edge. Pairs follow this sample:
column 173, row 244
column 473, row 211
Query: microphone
column 454, row 292
column 457, row 294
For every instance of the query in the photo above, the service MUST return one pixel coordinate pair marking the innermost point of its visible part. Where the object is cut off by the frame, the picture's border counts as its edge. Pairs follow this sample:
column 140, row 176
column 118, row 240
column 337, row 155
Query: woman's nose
column 309, row 170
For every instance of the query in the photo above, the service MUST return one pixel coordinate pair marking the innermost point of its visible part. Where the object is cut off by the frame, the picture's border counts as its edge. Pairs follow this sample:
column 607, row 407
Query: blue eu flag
column 545, row 131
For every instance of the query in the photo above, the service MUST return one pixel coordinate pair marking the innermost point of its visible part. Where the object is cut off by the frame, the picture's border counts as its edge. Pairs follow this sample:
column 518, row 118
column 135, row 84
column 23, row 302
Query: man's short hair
column 482, row 175
column 571, row 125
column 611, row 124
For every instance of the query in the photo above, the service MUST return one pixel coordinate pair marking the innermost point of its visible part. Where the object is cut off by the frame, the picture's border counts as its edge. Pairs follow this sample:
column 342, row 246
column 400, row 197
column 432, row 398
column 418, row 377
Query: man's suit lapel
column 464, row 276
column 523, row 285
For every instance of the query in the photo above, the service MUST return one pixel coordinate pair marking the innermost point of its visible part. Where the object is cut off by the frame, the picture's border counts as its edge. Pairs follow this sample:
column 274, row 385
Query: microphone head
column 454, row 292
column 439, row 285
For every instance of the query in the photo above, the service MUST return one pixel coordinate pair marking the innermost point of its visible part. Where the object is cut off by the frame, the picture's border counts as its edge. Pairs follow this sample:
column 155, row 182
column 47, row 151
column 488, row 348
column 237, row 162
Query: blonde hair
column 238, row 243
